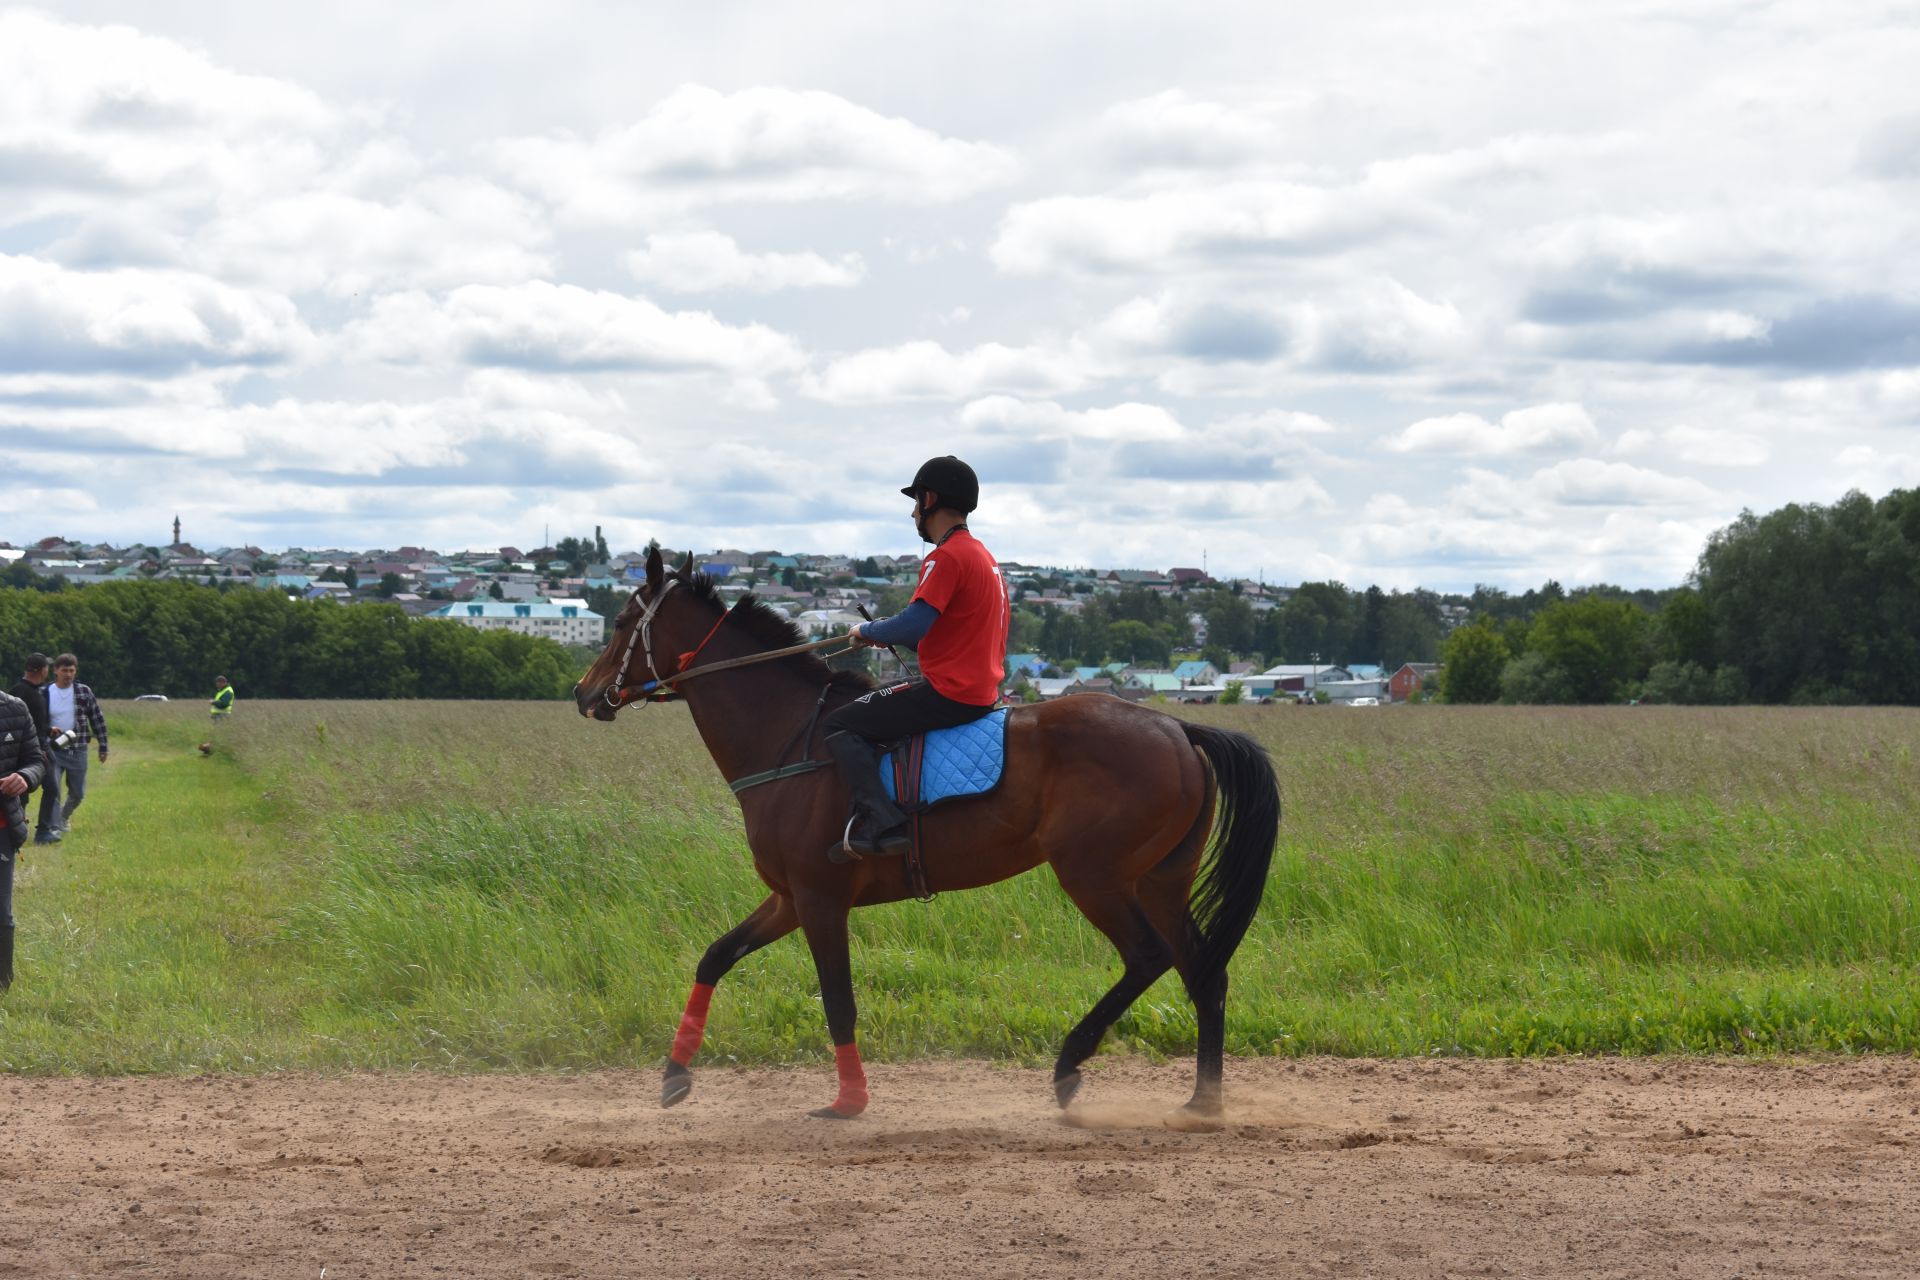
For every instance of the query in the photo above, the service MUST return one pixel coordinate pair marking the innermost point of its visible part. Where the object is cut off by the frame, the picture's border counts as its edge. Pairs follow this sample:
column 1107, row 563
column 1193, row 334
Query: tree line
column 174, row 637
column 1806, row 605
column 1322, row 621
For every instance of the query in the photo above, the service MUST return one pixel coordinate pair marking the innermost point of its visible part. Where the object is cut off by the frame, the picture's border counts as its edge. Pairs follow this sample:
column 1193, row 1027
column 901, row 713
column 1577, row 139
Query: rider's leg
column 883, row 828
column 855, row 734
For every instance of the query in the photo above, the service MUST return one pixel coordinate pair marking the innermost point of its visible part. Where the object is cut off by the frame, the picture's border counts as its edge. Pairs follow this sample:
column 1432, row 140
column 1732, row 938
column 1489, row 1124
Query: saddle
column 946, row 764
column 940, row 765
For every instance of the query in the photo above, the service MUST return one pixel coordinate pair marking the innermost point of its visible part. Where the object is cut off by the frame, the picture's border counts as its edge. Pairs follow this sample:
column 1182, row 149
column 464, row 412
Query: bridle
column 641, row 638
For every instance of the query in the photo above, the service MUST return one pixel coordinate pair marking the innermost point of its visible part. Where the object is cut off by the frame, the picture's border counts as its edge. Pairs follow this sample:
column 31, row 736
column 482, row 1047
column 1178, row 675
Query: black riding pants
column 892, row 713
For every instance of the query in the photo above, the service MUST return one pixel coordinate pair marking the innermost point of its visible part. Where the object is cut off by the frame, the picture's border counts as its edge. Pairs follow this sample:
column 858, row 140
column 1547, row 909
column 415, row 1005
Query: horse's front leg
column 825, row 922
column 771, row 920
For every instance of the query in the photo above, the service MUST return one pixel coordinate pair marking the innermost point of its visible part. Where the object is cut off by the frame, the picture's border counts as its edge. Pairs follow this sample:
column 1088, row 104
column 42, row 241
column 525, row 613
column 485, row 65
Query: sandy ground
column 1326, row 1168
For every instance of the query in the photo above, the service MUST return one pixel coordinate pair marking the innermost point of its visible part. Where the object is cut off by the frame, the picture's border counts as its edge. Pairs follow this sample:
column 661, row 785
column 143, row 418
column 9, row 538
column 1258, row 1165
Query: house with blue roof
column 1031, row 663
column 1197, row 672
column 566, row 623
column 295, row 582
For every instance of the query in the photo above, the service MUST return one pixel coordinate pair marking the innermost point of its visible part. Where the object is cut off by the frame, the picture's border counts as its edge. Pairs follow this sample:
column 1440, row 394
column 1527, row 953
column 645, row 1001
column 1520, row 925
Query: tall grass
column 480, row 885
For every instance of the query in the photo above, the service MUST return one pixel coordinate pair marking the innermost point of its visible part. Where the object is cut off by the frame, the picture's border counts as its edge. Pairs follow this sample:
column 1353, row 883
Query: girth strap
column 774, row 775
column 909, row 761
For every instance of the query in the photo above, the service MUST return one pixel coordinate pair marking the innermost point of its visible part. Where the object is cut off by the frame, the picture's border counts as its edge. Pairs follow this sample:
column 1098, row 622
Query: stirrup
column 844, row 851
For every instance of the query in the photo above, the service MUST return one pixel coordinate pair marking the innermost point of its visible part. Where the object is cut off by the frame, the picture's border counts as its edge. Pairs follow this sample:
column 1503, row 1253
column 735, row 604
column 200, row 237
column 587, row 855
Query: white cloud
column 1230, row 221
column 1164, row 230
column 54, row 319
column 1278, row 424
column 1591, row 482
column 440, row 233
column 1215, row 341
column 708, row 262
column 699, row 146
column 929, row 371
column 1132, row 421
column 565, row 327
column 1545, row 426
column 1173, row 128
column 1873, row 470
column 87, row 112
column 1705, row 446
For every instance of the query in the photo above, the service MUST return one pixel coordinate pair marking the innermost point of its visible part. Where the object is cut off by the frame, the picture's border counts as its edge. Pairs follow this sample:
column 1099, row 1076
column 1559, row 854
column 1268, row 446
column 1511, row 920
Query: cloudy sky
column 1394, row 293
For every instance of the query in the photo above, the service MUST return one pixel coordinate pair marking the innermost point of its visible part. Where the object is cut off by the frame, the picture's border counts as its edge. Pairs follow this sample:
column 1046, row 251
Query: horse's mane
column 775, row 630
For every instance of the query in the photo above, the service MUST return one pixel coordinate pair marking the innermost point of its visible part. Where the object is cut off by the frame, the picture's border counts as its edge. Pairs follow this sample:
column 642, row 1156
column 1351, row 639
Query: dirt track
column 1327, row 1168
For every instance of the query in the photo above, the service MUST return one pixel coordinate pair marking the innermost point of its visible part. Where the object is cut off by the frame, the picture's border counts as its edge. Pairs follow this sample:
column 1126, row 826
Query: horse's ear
column 656, row 571
column 686, row 566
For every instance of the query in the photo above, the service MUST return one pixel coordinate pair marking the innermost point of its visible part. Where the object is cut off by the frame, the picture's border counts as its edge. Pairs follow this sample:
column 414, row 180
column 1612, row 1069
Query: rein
column 619, row 695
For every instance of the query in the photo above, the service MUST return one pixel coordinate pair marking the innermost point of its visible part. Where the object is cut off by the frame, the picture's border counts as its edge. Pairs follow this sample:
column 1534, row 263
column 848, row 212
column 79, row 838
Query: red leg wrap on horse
column 853, row 1081
column 693, row 1024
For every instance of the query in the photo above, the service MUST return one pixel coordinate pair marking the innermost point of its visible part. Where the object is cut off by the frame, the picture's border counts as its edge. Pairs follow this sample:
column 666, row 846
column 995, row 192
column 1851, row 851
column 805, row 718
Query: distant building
column 568, row 624
column 1410, row 676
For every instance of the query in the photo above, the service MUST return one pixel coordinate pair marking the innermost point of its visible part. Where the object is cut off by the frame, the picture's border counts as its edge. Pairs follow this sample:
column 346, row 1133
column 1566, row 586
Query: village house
column 568, row 624
column 1410, row 678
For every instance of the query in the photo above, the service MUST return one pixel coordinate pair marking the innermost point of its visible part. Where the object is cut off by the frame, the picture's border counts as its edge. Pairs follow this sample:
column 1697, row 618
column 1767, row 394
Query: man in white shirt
column 73, row 719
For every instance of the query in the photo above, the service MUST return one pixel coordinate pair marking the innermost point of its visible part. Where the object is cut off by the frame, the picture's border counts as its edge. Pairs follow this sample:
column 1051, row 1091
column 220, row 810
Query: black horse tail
column 1233, row 876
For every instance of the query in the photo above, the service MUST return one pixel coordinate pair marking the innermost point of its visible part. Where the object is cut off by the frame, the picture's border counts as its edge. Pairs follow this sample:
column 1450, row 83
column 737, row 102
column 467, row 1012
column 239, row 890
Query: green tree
column 391, row 585
column 1593, row 648
column 1820, row 603
column 1685, row 629
column 1473, row 659
column 1138, row 643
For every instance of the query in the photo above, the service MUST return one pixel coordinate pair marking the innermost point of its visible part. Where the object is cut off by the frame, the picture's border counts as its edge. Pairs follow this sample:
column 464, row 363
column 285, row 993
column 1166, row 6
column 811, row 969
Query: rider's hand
column 13, row 785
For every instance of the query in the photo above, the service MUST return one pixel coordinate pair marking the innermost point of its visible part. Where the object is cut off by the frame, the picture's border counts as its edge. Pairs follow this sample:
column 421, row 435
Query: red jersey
column 964, row 654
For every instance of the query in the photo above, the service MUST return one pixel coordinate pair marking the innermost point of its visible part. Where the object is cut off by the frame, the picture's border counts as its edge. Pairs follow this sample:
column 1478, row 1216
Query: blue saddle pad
column 964, row 761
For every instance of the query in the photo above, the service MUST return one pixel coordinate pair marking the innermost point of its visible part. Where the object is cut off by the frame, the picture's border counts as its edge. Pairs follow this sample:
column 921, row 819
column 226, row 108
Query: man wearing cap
column 957, row 621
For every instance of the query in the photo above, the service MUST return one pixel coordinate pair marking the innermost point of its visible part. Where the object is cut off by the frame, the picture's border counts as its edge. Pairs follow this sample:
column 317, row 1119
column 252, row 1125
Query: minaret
column 176, row 531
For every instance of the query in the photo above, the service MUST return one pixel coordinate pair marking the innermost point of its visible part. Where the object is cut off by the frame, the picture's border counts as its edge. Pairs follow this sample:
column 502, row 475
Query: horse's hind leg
column 771, row 920
column 1164, row 895
column 1116, row 912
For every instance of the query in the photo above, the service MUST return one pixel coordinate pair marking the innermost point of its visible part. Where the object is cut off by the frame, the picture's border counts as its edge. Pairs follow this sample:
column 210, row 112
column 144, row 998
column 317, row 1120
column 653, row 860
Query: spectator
column 23, row 763
column 74, row 719
column 27, row 689
column 222, row 702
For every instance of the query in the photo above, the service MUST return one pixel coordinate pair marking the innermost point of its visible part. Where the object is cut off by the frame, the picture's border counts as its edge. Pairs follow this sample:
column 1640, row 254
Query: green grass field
column 469, row 886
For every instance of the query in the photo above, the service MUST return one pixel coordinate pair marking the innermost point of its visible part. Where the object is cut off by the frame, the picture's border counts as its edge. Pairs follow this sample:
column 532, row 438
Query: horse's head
column 638, row 652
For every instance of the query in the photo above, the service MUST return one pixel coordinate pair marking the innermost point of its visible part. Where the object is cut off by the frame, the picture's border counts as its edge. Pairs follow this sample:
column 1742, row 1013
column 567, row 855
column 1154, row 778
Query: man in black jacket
column 23, row 764
column 29, row 689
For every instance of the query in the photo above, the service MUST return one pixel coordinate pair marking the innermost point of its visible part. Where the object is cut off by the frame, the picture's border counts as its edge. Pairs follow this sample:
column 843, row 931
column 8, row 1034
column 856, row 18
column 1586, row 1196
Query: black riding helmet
column 949, row 477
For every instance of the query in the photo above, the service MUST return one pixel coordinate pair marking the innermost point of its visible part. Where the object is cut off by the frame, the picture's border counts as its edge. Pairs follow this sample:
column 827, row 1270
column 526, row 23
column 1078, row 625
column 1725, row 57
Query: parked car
column 1363, row 702
column 151, row 697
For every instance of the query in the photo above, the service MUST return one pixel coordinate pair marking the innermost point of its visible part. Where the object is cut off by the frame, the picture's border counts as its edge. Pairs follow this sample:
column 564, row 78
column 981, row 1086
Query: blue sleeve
column 906, row 627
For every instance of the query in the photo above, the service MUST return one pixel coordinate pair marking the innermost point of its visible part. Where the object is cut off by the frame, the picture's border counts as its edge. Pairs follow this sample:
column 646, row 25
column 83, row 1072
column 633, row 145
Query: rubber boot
column 6, row 956
column 879, row 827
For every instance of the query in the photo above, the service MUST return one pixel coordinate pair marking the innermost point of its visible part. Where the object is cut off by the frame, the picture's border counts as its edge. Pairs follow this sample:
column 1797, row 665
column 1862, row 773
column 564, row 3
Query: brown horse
column 1118, row 798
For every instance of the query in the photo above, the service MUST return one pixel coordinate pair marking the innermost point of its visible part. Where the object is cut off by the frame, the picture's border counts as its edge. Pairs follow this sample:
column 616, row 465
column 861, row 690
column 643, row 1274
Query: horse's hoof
column 1064, row 1087
column 828, row 1113
column 677, row 1085
column 1198, row 1117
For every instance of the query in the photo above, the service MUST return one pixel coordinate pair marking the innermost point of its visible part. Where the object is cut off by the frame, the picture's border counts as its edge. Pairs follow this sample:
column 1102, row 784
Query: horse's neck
column 744, row 715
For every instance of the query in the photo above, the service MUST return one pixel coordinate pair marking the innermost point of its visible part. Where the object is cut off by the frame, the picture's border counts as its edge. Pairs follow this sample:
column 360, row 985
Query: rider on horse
column 957, row 621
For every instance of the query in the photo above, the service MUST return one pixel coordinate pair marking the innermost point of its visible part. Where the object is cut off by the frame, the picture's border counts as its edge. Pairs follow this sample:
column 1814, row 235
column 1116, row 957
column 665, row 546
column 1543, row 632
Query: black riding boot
column 6, row 956
column 879, row 826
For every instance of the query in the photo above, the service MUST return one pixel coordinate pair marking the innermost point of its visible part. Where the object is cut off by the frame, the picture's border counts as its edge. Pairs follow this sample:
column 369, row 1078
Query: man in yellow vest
column 222, row 703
